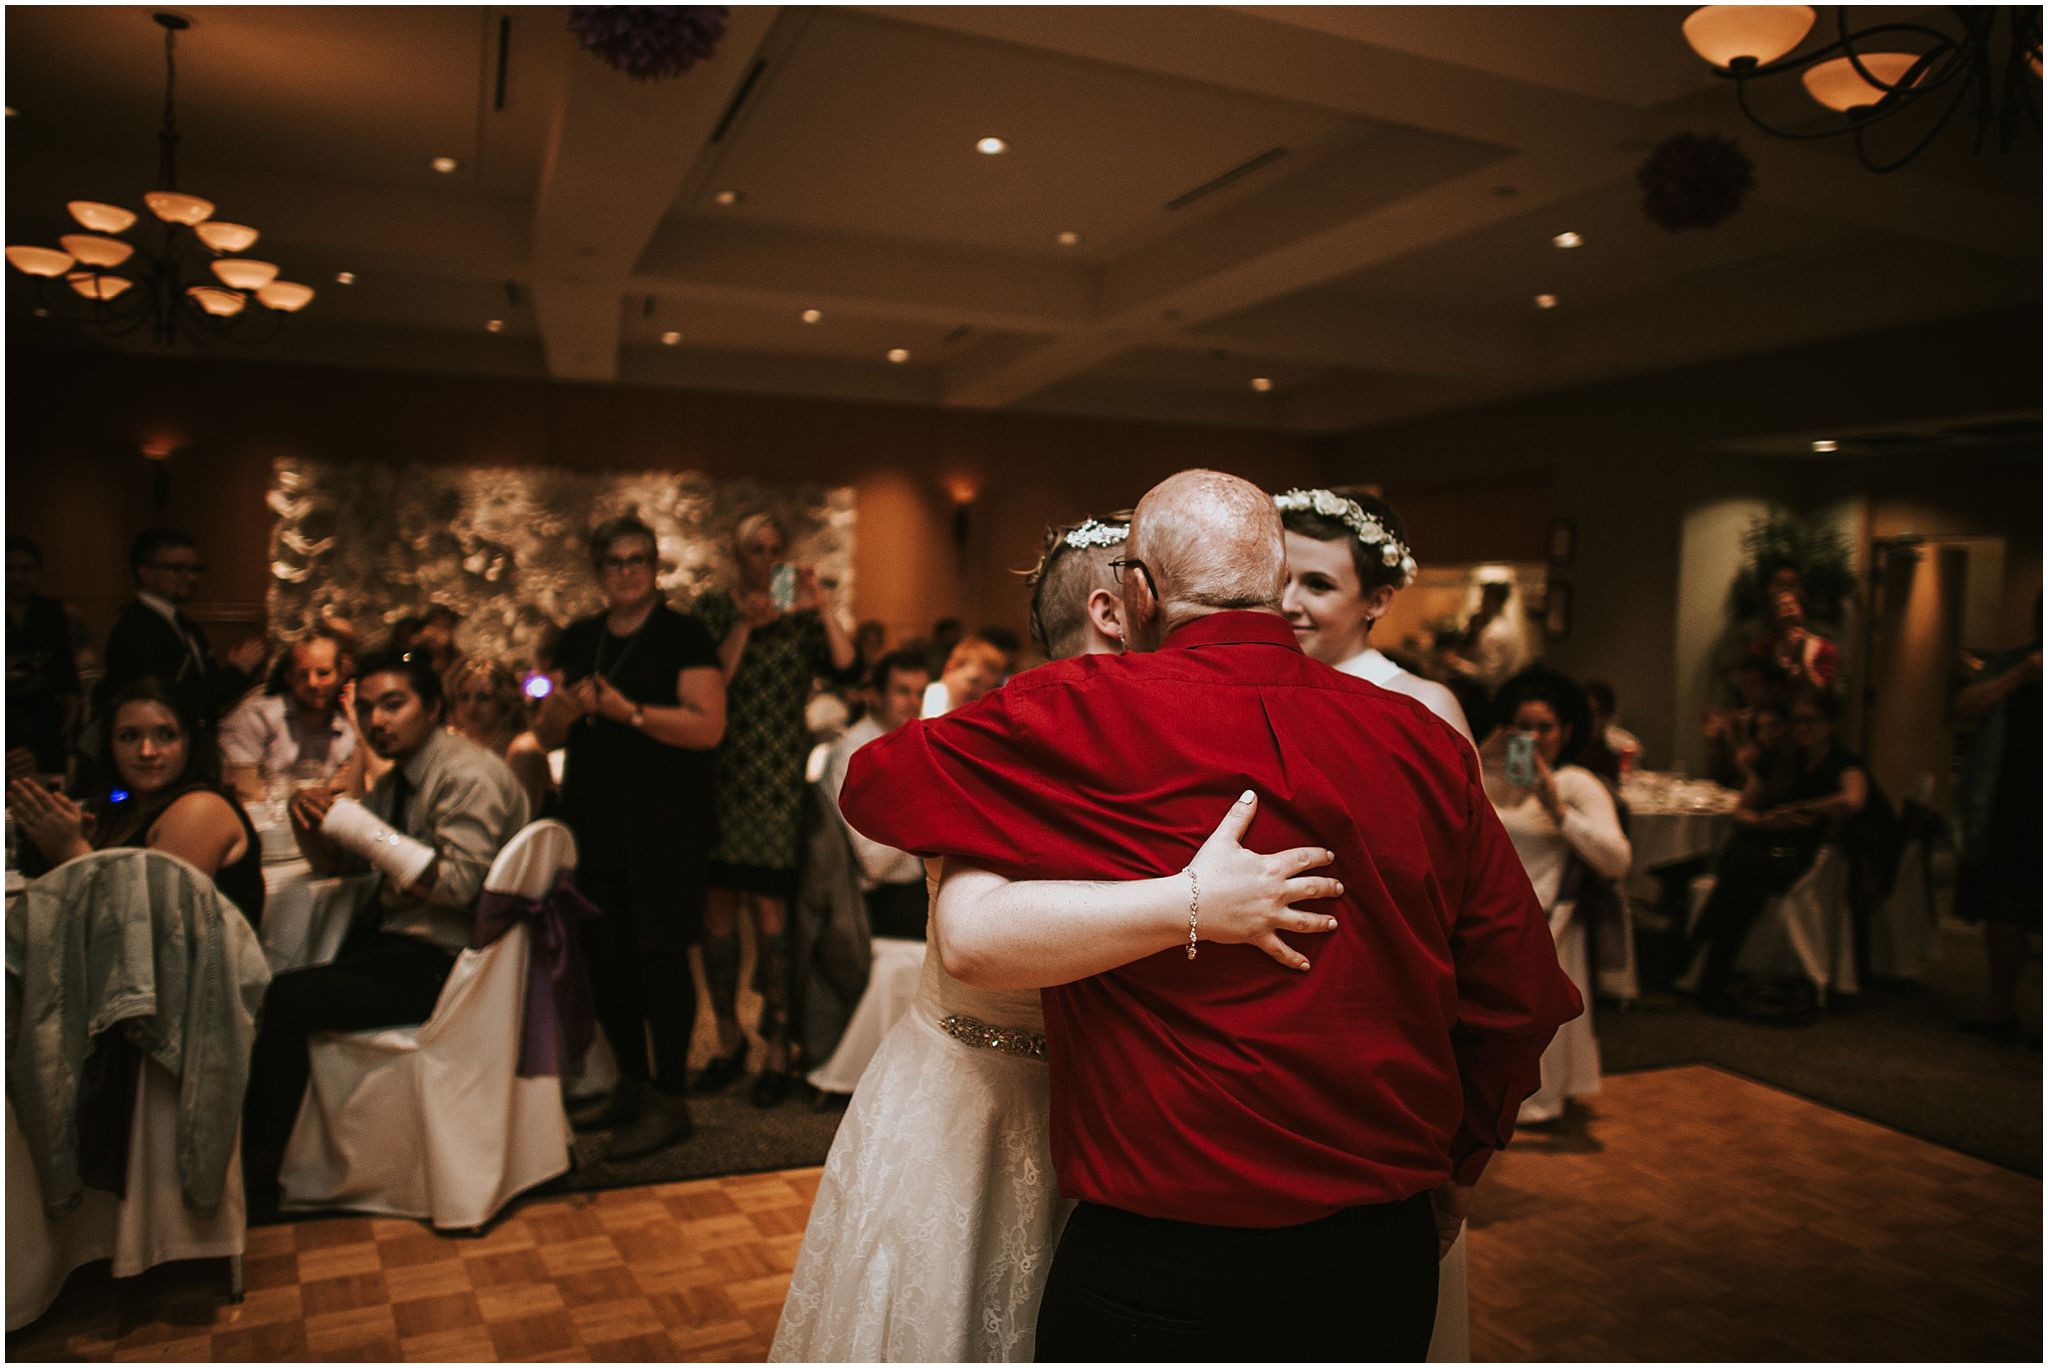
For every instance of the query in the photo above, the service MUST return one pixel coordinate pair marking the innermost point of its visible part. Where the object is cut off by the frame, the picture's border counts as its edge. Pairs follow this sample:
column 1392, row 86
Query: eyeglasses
column 178, row 567
column 639, row 561
column 1143, row 569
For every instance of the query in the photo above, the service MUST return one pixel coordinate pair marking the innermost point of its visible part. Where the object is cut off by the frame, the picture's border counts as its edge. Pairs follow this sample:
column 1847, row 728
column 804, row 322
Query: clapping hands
column 56, row 824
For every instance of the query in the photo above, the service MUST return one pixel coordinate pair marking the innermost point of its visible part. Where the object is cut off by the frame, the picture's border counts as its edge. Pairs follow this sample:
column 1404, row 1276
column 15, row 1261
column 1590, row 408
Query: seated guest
column 159, row 789
column 1789, row 810
column 973, row 669
column 275, row 733
column 490, row 709
column 946, row 634
column 443, row 790
column 152, row 635
column 42, row 674
column 1730, row 731
column 1004, row 640
column 891, row 880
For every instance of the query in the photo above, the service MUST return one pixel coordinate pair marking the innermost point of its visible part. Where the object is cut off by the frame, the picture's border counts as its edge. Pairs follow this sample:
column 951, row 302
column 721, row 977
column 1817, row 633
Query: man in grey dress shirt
column 443, row 790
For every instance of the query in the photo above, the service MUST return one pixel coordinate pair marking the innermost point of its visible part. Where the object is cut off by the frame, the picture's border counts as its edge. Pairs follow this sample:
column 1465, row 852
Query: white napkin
column 360, row 831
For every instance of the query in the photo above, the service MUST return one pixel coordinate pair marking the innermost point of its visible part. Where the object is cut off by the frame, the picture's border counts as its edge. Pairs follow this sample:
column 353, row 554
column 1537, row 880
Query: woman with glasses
column 487, row 706
column 1789, row 810
column 775, row 635
column 639, row 701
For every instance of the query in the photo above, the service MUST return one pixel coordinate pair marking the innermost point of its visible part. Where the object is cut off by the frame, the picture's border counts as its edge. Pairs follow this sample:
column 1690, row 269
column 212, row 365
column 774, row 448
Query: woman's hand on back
column 1247, row 898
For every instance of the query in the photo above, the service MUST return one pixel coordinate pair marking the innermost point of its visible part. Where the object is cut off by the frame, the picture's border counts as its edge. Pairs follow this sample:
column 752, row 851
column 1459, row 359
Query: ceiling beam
column 619, row 151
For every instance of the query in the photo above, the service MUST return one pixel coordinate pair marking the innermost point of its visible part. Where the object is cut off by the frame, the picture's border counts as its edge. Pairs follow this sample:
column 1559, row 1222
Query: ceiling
column 1355, row 203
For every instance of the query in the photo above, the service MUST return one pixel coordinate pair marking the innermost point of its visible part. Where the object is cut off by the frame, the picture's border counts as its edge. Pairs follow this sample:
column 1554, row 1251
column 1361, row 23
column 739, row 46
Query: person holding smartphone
column 775, row 635
column 1558, row 814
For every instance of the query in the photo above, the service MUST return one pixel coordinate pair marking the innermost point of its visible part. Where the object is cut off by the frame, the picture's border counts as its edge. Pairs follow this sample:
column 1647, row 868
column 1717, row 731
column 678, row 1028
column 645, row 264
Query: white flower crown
column 1394, row 553
column 1093, row 533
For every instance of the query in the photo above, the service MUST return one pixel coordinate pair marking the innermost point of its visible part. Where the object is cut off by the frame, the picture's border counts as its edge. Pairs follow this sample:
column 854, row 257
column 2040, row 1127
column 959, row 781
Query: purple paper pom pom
column 1694, row 180
column 649, row 42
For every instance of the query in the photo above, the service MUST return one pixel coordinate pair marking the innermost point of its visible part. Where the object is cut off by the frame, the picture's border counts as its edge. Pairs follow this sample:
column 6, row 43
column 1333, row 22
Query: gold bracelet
column 1194, row 907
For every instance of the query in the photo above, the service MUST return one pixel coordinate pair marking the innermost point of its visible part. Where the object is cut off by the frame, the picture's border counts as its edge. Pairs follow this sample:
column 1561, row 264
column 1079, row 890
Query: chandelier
column 183, row 275
column 1874, row 74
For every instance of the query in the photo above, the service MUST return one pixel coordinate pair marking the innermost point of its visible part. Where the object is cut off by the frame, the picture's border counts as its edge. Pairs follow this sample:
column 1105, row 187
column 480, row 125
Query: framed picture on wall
column 1564, row 540
column 1557, row 611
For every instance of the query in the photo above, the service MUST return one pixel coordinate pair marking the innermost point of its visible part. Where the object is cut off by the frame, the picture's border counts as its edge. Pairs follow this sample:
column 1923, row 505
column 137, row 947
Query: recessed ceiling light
column 728, row 197
column 1824, row 446
column 42, row 313
column 447, row 166
column 898, row 355
column 813, row 316
column 991, row 147
column 495, row 325
column 344, row 277
column 1567, row 240
column 1546, row 301
column 669, row 339
column 1067, row 238
column 1261, row 384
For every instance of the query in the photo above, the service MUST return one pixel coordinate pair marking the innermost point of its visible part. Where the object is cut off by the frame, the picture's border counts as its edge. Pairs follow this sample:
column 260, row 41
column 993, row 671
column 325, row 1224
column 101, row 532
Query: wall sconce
column 962, row 491
column 157, row 450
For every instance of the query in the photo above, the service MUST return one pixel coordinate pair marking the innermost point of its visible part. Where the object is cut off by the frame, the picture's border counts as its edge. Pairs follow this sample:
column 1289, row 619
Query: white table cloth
column 1672, row 820
column 306, row 915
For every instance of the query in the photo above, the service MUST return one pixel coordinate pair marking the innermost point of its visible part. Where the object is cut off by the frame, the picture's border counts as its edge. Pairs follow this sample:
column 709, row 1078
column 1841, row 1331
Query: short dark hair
column 1369, row 562
column 898, row 662
column 418, row 670
column 154, row 543
column 1002, row 638
column 18, row 543
column 947, row 624
column 612, row 529
column 1601, row 695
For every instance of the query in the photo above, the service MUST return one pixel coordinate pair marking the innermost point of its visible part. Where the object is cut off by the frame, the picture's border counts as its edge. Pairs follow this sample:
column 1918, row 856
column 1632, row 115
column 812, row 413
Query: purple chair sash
column 559, row 1016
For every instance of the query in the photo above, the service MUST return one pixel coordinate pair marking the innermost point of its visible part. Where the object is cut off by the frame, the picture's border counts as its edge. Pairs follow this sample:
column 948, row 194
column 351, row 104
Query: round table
column 305, row 915
column 1672, row 821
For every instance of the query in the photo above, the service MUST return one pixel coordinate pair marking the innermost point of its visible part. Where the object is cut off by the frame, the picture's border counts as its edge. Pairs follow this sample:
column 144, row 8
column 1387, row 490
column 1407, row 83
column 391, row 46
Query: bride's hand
column 1246, row 897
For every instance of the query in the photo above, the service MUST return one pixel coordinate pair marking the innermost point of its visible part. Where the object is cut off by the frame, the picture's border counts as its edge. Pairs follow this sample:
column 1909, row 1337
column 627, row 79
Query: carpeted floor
column 1893, row 1056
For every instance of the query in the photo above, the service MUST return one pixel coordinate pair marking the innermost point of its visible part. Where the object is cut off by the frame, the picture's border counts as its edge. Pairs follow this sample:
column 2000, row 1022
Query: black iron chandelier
column 183, row 276
column 1990, row 61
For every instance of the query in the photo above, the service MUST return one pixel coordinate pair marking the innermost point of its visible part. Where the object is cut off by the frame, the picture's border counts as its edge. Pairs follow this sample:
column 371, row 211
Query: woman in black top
column 161, row 789
column 1788, row 811
column 640, row 703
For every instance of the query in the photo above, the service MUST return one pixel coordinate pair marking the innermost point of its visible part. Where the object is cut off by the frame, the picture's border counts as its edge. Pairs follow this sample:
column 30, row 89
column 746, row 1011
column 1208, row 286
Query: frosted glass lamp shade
column 286, row 296
column 99, row 287
column 1838, row 85
column 101, row 218
column 93, row 250
column 40, row 261
column 226, row 237
column 245, row 273
column 216, row 301
column 1725, row 34
column 173, row 207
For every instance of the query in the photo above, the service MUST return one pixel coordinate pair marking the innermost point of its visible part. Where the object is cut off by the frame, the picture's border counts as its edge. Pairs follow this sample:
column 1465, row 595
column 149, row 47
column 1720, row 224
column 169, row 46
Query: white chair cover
column 892, row 988
column 1902, row 934
column 152, row 1226
column 433, row 1121
column 1803, row 932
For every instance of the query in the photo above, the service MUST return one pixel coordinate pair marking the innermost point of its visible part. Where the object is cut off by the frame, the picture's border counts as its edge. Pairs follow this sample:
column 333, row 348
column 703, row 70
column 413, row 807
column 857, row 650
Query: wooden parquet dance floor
column 1692, row 1215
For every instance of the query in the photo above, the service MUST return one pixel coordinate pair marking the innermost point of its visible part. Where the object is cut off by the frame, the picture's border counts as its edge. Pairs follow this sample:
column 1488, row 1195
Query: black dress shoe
column 722, row 1071
column 771, row 1086
column 621, row 1108
column 662, row 1122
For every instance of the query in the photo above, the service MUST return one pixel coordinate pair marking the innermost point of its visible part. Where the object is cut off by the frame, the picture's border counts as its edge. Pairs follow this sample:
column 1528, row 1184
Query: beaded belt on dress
column 1011, row 1040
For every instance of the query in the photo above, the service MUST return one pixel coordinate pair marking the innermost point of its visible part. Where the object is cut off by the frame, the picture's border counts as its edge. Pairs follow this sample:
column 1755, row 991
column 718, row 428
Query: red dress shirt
column 1227, row 1090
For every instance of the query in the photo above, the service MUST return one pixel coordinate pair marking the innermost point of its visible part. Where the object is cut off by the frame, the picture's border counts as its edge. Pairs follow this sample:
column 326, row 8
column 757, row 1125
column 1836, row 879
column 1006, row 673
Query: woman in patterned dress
column 770, row 655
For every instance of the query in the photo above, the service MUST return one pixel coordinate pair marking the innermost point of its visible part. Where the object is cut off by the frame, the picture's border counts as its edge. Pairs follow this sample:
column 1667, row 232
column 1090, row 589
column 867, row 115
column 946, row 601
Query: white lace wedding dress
column 937, row 1215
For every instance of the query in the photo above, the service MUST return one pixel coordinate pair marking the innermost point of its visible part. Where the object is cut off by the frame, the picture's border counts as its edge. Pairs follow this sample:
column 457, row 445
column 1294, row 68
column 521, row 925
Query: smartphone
column 1521, row 766
column 782, row 586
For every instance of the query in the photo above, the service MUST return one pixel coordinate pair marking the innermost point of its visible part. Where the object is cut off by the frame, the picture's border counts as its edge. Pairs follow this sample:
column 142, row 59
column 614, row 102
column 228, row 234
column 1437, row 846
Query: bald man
column 1268, row 1161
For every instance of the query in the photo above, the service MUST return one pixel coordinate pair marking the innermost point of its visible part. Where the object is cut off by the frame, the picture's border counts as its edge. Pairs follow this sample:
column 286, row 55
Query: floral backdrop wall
column 506, row 548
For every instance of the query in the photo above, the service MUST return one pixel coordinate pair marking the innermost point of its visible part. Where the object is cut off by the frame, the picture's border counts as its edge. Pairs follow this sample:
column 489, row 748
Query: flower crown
column 1394, row 553
column 1093, row 533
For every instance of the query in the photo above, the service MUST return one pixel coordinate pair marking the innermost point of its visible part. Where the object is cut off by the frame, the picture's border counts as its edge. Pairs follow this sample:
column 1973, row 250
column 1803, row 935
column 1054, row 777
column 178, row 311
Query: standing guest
column 442, row 790
column 1217, row 1144
column 640, row 703
column 1786, row 815
column 1999, row 808
column 770, row 653
column 435, row 636
column 1798, row 656
column 891, row 880
column 1732, row 732
column 1346, row 558
column 870, row 642
column 1494, row 644
column 974, row 668
column 42, row 674
column 152, row 635
column 1557, row 813
column 489, row 708
column 305, row 724
column 159, row 788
